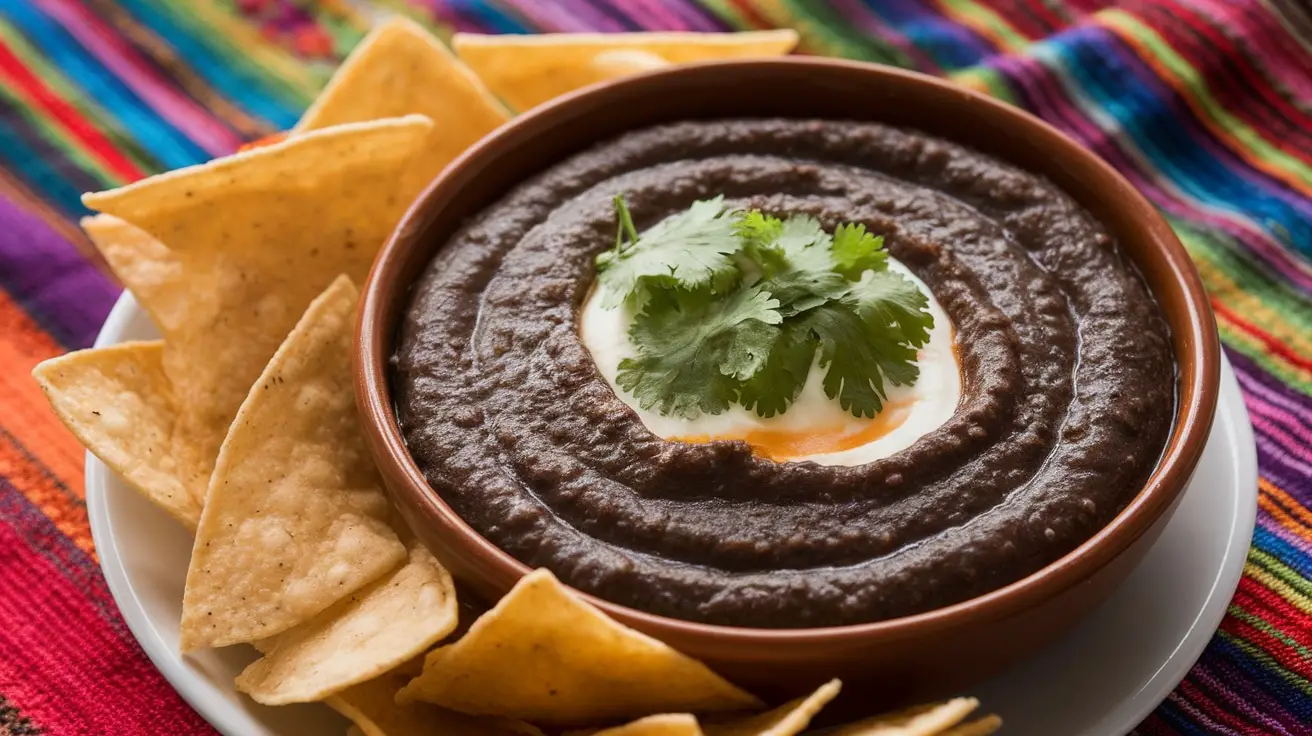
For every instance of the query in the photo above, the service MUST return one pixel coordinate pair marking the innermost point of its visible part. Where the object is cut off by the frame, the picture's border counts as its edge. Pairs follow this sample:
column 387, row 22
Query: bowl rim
column 1197, row 396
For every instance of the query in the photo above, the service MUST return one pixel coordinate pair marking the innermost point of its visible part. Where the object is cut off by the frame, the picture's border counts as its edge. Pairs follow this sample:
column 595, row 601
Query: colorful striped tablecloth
column 1206, row 105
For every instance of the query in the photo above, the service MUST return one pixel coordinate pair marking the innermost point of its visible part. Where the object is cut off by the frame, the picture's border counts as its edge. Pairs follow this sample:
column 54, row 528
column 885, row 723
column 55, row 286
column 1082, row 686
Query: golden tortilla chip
column 921, row 720
column 789, row 719
column 526, row 71
column 255, row 237
column 116, row 401
column 372, row 707
column 295, row 516
column 666, row 724
column 375, row 630
column 544, row 655
column 982, row 727
column 398, row 69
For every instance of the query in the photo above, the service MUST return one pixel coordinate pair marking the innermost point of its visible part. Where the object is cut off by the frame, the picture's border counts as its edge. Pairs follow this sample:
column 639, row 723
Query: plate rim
column 195, row 691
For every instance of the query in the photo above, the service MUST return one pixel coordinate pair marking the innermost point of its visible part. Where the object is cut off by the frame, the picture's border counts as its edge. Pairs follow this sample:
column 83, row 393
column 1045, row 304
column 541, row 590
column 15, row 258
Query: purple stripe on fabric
column 1245, row 701
column 1253, row 379
column 47, row 276
column 1286, row 534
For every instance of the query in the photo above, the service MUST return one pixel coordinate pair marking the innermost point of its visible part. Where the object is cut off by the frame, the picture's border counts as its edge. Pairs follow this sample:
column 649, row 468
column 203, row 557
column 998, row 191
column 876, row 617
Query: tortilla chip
column 982, row 727
column 255, row 237
column 544, row 655
column 789, row 719
column 526, row 71
column 295, row 516
column 922, row 720
column 667, row 724
column 372, row 707
column 116, row 401
column 398, row 69
column 375, row 630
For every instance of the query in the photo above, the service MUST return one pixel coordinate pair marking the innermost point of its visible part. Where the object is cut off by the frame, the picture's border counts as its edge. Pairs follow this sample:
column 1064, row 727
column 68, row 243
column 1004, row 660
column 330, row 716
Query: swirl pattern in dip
column 1067, row 385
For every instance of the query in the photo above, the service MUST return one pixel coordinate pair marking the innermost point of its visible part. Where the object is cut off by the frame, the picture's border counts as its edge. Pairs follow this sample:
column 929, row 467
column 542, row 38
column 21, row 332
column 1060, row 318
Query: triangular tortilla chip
column 921, row 720
column 116, row 401
column 982, row 727
column 372, row 631
column 543, row 655
column 527, row 71
column 255, row 237
column 666, row 724
column 789, row 719
column 398, row 69
column 372, row 707
column 295, row 516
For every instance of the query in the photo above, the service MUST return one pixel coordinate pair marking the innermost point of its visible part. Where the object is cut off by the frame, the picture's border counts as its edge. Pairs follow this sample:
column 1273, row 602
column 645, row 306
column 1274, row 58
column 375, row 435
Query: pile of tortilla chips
column 241, row 421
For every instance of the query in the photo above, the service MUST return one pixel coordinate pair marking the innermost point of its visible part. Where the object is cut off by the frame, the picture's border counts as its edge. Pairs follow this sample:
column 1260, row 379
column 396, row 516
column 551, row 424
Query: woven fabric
column 1205, row 105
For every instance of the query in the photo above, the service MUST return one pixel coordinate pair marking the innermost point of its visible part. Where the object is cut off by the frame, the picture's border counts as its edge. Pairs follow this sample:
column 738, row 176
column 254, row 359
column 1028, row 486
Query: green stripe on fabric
column 993, row 26
column 1265, row 627
column 1240, row 134
column 1268, row 662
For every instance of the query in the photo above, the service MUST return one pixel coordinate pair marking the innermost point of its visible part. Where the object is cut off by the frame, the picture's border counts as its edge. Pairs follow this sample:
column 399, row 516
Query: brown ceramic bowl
column 925, row 655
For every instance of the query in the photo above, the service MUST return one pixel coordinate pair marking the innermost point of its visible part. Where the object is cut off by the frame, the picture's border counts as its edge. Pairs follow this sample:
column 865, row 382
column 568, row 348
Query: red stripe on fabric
column 63, row 665
column 1286, row 117
column 1271, row 343
column 60, row 503
column 66, row 116
column 1288, row 657
column 1217, row 713
column 751, row 14
column 1257, row 599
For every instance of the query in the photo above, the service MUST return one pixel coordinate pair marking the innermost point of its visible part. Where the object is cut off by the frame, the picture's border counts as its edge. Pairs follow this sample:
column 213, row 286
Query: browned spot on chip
column 667, row 724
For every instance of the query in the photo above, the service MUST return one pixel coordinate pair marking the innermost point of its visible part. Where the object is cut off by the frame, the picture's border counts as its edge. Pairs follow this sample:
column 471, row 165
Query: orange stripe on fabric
column 23, row 409
column 1286, row 501
column 1290, row 525
column 61, row 504
column 1200, row 111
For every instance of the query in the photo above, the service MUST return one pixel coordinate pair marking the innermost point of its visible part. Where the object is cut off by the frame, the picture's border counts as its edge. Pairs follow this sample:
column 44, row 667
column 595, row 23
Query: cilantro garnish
column 734, row 307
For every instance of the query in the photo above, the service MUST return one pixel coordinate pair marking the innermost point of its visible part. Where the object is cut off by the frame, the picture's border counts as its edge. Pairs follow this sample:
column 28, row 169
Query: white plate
column 1100, row 680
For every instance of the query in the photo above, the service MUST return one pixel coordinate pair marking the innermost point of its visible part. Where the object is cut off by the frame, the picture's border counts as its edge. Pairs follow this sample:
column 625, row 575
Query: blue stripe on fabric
column 169, row 147
column 490, row 17
column 249, row 92
column 1287, row 553
column 950, row 45
column 1114, row 79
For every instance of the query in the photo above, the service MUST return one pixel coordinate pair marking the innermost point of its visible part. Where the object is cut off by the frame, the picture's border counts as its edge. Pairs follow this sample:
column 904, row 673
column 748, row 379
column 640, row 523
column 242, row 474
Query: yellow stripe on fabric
column 1253, row 349
column 1267, row 661
column 985, row 23
column 1192, row 88
column 1278, row 576
column 1284, row 325
column 1265, row 627
column 42, row 123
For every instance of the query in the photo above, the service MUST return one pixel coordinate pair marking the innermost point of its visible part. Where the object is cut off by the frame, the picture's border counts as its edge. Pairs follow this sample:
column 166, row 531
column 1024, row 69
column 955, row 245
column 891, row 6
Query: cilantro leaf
column 856, row 251
column 807, row 279
column 689, row 250
column 695, row 349
column 777, row 385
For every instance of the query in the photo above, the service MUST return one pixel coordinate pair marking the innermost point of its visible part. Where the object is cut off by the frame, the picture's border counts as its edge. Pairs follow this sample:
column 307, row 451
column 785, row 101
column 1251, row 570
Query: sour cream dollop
column 815, row 427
